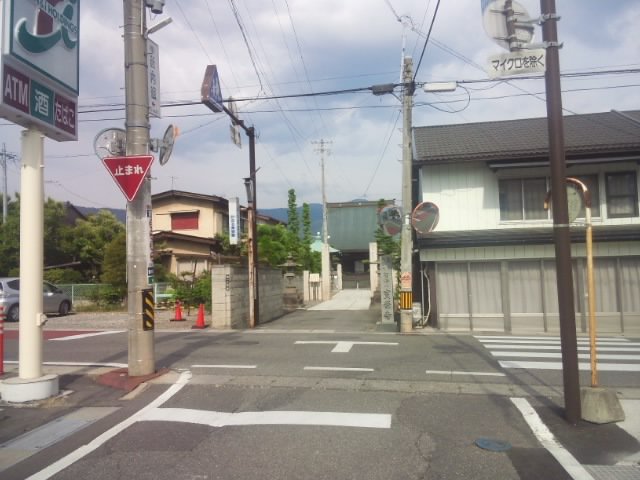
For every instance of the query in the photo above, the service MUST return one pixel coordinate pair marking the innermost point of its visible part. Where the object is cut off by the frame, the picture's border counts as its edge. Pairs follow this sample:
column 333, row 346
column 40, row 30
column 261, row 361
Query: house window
column 184, row 220
column 622, row 194
column 523, row 199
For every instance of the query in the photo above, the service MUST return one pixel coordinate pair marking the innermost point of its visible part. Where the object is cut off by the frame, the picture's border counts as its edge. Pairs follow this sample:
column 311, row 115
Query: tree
column 114, row 264
column 89, row 239
column 273, row 244
column 55, row 231
column 293, row 222
column 10, row 240
column 387, row 245
column 310, row 260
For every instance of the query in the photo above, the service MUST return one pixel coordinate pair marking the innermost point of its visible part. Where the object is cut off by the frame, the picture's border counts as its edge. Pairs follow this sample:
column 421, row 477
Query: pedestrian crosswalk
column 544, row 353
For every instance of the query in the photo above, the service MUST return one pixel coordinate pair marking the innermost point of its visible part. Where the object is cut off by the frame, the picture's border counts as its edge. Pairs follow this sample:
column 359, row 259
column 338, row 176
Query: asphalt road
column 310, row 396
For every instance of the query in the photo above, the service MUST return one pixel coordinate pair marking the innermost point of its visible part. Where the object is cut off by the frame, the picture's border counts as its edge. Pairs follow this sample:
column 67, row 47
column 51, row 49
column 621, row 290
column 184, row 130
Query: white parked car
column 54, row 299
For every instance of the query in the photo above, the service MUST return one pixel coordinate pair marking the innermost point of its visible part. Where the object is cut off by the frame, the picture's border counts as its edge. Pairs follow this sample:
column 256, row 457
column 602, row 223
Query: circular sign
column 110, row 142
column 168, row 140
column 495, row 23
column 391, row 220
column 425, row 217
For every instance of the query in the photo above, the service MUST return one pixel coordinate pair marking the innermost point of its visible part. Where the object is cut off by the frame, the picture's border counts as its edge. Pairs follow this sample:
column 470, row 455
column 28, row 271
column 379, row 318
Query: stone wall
column 230, row 295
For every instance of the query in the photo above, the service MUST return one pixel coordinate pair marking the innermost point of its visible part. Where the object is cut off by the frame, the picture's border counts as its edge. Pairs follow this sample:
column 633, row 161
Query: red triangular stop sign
column 128, row 172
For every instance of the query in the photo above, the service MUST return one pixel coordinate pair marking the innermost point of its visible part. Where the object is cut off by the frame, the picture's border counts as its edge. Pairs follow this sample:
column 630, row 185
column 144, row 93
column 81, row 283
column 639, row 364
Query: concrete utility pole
column 406, row 239
column 561, row 232
column 139, row 262
column 325, row 257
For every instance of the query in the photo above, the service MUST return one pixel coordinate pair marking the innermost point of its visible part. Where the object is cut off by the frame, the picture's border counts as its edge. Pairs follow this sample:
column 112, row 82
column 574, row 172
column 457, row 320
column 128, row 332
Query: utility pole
column 252, row 218
column 139, row 263
column 406, row 240
column 561, row 232
column 326, row 261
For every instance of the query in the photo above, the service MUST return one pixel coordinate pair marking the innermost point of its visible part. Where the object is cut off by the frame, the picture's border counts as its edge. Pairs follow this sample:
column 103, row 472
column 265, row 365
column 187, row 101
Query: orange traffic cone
column 178, row 315
column 200, row 319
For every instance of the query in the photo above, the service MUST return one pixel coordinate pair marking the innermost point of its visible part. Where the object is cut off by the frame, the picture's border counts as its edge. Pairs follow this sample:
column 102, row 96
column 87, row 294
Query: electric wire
column 236, row 14
column 384, row 151
column 426, row 41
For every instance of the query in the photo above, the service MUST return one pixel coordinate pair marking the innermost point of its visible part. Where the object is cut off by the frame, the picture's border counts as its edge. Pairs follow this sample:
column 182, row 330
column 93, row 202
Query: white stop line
column 342, row 346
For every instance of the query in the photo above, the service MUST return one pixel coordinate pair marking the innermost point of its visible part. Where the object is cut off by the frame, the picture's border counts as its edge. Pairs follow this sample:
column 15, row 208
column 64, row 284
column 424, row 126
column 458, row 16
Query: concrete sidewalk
column 350, row 299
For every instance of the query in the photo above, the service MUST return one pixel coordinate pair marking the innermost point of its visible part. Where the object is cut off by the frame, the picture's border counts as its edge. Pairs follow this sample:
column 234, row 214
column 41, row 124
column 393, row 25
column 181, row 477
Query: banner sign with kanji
column 129, row 172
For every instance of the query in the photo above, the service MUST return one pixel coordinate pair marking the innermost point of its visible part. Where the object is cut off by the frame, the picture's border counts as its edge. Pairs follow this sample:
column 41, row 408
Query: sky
column 281, row 48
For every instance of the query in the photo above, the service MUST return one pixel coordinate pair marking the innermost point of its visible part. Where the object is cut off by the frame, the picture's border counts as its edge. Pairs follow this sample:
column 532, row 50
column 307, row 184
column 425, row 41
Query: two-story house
column 185, row 226
column 490, row 263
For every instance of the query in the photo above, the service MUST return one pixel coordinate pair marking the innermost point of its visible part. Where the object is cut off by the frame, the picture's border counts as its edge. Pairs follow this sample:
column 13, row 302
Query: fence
column 86, row 293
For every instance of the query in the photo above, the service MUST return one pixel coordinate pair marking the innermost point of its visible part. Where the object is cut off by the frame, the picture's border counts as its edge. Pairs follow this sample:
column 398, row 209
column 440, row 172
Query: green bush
column 63, row 276
column 193, row 293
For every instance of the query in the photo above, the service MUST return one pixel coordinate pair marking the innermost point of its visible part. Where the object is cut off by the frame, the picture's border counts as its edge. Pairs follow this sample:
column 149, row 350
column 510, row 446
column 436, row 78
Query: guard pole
column 31, row 255
column 1, row 340
column 591, row 293
column 562, row 238
column 141, row 360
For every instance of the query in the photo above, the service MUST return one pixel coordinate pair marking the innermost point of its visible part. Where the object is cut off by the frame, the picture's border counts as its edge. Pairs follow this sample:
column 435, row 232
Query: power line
column 424, row 48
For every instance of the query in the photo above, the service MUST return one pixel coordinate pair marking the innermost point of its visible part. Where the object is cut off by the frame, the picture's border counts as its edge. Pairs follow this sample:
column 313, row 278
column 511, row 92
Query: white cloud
column 344, row 44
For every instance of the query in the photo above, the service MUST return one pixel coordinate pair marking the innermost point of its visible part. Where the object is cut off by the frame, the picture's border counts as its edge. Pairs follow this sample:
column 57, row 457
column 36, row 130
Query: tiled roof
column 610, row 133
column 172, row 194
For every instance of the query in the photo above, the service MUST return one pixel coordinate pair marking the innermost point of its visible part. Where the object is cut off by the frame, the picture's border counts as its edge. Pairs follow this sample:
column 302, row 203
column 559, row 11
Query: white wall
column 467, row 194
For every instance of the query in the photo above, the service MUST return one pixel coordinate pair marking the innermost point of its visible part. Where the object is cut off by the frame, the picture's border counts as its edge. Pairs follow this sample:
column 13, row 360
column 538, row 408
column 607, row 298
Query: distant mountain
column 282, row 215
column 120, row 213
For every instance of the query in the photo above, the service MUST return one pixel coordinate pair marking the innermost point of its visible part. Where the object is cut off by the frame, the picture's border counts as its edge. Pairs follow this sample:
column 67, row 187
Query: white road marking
column 459, row 372
column 621, row 348
column 581, row 356
column 83, row 451
column 515, row 337
column 521, row 352
column 224, row 366
column 84, row 335
column 548, row 441
column 224, row 419
column 342, row 346
column 602, row 367
column 341, row 369
column 552, row 342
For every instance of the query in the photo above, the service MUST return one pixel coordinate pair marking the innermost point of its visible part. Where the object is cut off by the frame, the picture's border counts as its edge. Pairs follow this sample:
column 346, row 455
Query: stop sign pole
column 141, row 357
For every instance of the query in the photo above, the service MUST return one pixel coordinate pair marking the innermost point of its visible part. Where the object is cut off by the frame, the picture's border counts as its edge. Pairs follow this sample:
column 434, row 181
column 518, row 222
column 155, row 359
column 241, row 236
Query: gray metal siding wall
column 520, row 296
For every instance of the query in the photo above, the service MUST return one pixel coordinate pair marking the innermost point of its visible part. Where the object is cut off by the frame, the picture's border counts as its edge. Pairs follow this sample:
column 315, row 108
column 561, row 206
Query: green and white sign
column 40, row 65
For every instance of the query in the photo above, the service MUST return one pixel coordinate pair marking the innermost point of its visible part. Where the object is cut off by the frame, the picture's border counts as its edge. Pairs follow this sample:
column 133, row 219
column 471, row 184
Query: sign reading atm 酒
column 40, row 65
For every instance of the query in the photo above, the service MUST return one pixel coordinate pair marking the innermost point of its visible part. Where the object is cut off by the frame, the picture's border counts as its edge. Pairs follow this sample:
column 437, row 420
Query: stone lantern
column 292, row 299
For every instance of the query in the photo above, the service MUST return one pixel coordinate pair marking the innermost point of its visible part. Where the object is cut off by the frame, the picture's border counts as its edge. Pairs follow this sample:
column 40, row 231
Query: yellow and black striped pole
column 406, row 300
column 148, row 310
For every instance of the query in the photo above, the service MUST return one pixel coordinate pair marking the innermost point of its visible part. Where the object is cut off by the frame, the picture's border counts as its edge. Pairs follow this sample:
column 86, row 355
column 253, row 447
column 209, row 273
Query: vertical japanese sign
column 234, row 221
column 153, row 80
column 386, row 289
column 40, row 65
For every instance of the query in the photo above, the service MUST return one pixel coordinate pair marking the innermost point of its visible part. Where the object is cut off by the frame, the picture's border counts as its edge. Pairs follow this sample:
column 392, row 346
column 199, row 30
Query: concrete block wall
column 230, row 295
